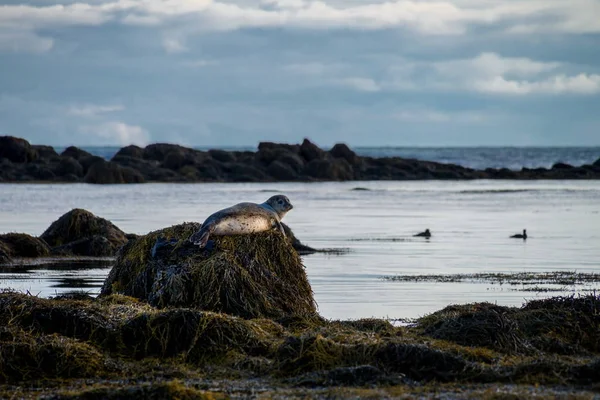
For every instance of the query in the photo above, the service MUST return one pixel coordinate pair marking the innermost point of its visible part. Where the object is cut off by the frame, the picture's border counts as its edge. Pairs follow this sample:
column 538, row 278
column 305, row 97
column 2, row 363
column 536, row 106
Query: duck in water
column 520, row 236
column 425, row 234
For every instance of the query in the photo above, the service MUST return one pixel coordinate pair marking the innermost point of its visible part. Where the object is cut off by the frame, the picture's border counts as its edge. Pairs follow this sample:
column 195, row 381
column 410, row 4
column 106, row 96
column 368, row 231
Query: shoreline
column 271, row 162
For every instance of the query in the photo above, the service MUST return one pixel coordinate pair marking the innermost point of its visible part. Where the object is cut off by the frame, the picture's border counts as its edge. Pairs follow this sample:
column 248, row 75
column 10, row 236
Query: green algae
column 251, row 276
column 124, row 347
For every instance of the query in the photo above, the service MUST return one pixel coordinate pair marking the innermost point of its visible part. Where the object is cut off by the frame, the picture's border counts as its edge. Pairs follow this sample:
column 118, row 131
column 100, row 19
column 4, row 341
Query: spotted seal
column 244, row 218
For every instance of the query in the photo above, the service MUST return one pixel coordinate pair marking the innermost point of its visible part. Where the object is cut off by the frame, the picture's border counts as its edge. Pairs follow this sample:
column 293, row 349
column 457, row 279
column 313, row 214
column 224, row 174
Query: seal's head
column 280, row 203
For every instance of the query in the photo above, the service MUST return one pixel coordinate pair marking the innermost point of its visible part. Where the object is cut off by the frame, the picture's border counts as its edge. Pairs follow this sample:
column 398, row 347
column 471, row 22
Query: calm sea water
column 470, row 222
column 513, row 158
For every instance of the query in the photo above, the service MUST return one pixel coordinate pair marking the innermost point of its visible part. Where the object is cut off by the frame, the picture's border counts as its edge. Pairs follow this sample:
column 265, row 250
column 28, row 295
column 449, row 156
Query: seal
column 244, row 218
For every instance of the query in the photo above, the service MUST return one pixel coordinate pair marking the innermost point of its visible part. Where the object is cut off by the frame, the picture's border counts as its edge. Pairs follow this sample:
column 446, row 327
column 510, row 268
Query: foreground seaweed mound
column 251, row 276
column 79, row 232
column 562, row 325
column 119, row 347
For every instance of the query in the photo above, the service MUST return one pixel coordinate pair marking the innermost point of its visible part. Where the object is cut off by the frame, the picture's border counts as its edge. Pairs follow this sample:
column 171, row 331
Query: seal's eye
column 280, row 201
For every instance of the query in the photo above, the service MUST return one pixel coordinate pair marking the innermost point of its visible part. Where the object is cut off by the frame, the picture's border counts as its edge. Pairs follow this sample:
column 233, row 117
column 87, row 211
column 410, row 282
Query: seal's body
column 244, row 218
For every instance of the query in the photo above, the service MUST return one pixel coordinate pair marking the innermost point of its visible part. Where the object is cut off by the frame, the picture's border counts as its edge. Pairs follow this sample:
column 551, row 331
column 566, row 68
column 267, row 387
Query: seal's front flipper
column 200, row 238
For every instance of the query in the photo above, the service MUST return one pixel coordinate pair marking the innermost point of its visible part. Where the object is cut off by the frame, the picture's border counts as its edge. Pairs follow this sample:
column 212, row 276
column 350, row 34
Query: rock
column 175, row 160
column 311, row 151
column 291, row 148
column 293, row 160
column 222, row 155
column 93, row 246
column 132, row 151
column 596, row 163
column 87, row 161
column 107, row 172
column 251, row 276
column 45, row 152
column 75, row 152
column 23, row 245
column 281, row 171
column 78, row 224
column 4, row 257
column 17, row 150
column 159, row 151
column 69, row 165
column 340, row 150
column 39, row 172
column 560, row 165
column 337, row 169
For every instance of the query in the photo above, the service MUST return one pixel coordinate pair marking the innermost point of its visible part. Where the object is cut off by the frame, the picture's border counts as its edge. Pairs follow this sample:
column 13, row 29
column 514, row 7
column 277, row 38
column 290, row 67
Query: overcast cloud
column 226, row 73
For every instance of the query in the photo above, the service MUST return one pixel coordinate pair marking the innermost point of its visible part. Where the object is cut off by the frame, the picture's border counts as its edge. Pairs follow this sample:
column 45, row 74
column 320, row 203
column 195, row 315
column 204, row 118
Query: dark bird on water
column 520, row 236
column 423, row 234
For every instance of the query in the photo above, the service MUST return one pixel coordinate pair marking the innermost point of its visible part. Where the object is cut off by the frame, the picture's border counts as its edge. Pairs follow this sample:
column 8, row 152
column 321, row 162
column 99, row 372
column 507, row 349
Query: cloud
column 360, row 84
column 114, row 132
column 425, row 115
column 173, row 46
column 190, row 17
column 92, row 110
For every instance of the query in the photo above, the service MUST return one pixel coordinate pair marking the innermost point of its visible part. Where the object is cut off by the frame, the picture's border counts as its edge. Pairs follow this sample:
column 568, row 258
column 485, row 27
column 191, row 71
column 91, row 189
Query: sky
column 367, row 73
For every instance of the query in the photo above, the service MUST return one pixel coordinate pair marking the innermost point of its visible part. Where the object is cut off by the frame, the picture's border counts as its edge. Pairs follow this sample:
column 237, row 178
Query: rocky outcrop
column 21, row 245
column 305, row 162
column 79, row 232
column 251, row 276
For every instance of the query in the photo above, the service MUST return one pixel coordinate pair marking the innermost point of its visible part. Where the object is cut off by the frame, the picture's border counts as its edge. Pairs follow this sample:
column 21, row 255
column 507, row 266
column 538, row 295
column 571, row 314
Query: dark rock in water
column 596, row 163
column 341, row 150
column 4, row 257
column 87, row 161
column 107, row 172
column 337, row 169
column 130, row 151
column 17, row 150
column 45, row 152
column 93, row 246
column 69, row 165
column 281, row 171
column 159, row 151
column 258, row 275
column 75, row 152
column 22, row 245
column 77, row 226
column 222, row 155
column 176, row 159
column 561, row 165
column 311, row 151
column 39, row 172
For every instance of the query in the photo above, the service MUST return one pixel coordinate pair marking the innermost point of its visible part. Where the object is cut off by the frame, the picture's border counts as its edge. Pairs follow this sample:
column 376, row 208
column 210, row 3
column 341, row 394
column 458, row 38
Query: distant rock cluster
column 272, row 162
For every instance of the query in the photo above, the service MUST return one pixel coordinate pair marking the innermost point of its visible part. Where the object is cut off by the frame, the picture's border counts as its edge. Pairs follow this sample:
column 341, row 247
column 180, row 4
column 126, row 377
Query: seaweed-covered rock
column 77, row 225
column 26, row 357
column 258, row 275
column 22, row 245
column 93, row 246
